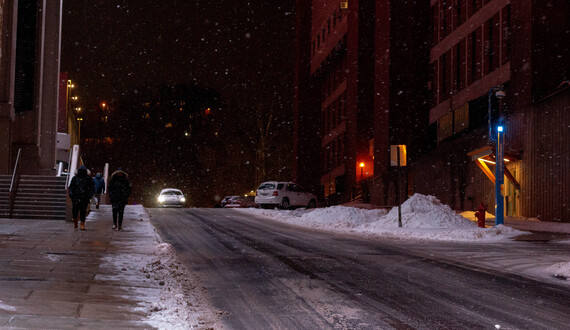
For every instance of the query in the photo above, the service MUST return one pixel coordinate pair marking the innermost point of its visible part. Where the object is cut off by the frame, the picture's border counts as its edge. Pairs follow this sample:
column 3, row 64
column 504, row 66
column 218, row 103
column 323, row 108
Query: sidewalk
column 53, row 276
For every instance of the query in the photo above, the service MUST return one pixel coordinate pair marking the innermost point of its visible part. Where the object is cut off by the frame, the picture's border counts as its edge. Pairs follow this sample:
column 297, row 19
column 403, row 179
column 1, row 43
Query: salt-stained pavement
column 53, row 276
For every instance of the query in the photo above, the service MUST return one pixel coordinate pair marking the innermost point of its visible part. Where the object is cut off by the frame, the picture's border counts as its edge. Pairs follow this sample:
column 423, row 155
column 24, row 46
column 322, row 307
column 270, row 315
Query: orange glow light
column 362, row 164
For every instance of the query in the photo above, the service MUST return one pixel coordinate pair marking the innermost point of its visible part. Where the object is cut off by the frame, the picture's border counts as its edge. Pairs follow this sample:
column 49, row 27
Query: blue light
column 499, row 128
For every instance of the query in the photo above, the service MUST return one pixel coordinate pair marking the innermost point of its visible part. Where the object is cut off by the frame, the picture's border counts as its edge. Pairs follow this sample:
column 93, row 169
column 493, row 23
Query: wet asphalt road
column 268, row 275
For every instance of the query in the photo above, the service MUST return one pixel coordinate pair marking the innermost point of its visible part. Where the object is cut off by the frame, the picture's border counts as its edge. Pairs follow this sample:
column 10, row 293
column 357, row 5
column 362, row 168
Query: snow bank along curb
column 173, row 299
column 423, row 217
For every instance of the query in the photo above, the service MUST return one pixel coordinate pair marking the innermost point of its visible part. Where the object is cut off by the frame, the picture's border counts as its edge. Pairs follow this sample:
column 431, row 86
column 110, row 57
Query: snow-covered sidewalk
column 171, row 295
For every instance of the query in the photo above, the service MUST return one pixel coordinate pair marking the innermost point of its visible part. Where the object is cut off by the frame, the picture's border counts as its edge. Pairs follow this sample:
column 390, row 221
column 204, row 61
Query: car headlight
column 183, row 199
column 161, row 199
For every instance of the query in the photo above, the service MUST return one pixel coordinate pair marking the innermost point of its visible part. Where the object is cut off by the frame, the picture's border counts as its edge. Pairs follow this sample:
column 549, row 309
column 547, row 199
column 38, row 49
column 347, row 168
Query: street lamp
column 361, row 170
column 79, row 120
column 499, row 94
column 68, row 99
column 499, row 157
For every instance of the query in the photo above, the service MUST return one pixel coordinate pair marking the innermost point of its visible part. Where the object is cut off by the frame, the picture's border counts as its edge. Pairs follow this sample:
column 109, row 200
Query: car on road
column 226, row 200
column 241, row 202
column 284, row 195
column 171, row 197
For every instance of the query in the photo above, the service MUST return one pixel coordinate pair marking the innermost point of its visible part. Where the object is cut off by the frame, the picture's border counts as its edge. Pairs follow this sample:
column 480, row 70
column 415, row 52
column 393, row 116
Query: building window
column 443, row 19
column 435, row 24
column 434, row 85
column 445, row 127
column 461, row 118
column 492, row 44
column 506, row 37
column 460, row 12
column 445, row 76
column 460, row 64
column 474, row 6
column 452, row 123
column 474, row 56
column 343, row 106
column 334, row 18
column 26, row 43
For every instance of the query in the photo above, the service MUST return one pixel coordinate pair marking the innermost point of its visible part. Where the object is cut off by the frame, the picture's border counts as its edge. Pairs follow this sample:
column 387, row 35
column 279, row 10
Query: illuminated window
column 461, row 118
column 445, row 126
column 453, row 123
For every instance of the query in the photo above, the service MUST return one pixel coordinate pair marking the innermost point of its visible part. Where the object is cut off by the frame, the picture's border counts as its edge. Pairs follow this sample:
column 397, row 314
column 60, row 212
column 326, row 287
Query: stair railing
column 74, row 163
column 14, row 184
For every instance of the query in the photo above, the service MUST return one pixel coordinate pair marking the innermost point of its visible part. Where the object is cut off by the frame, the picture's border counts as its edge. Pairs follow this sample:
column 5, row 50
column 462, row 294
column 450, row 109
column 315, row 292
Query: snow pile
column 6, row 307
column 421, row 211
column 346, row 217
column 180, row 304
column 560, row 270
column 423, row 217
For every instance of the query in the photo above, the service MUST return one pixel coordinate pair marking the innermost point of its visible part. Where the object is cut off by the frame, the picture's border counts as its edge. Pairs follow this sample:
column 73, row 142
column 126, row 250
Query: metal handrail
column 14, row 184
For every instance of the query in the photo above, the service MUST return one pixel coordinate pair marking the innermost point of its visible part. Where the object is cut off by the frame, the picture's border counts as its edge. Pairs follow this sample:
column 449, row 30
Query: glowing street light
column 361, row 170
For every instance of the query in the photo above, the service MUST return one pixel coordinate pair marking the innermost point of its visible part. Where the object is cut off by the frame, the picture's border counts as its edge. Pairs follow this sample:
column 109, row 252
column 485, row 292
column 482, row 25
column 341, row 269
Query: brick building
column 372, row 74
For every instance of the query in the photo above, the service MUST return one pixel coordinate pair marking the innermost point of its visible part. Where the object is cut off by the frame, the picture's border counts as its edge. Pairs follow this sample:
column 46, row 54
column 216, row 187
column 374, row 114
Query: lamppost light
column 499, row 128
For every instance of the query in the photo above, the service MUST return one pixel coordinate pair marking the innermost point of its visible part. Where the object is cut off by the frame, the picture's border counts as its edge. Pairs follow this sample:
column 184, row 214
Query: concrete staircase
column 4, row 195
column 38, row 197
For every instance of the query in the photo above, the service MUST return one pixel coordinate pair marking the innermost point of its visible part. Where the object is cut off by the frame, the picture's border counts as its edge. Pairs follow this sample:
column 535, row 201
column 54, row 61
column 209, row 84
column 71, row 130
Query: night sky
column 242, row 49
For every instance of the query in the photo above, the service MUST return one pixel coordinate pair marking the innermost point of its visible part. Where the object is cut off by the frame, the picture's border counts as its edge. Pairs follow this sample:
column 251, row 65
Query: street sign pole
column 398, row 192
column 499, row 177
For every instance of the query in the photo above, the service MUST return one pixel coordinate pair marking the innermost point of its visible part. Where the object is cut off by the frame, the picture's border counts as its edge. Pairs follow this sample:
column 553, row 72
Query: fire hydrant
column 480, row 214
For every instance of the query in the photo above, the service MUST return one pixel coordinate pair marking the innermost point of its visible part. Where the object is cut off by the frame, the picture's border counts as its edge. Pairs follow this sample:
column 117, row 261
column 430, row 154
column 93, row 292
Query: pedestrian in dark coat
column 119, row 190
column 99, row 188
column 81, row 189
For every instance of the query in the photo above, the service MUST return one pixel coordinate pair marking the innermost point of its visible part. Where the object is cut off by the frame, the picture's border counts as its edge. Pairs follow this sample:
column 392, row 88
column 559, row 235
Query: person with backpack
column 119, row 190
column 81, row 189
column 99, row 188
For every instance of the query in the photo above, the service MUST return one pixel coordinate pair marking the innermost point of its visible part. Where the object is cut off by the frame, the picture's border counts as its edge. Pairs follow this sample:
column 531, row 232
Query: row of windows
column 333, row 154
column 448, row 15
column 333, row 78
column 334, row 114
column 482, row 51
column 329, row 25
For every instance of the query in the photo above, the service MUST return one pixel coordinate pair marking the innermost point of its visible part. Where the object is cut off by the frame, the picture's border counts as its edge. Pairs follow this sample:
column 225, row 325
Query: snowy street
column 264, row 273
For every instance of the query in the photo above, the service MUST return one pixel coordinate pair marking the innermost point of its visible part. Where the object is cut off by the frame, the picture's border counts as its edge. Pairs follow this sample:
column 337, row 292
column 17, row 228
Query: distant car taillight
column 275, row 193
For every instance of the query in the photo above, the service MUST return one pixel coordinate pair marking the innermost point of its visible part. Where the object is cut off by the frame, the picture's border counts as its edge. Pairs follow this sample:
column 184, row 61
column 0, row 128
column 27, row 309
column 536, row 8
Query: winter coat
column 99, row 184
column 119, row 188
column 81, row 188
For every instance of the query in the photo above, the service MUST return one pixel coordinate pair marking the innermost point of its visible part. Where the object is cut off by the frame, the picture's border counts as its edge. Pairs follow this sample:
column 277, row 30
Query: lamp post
column 68, row 99
column 79, row 120
column 499, row 140
column 361, row 171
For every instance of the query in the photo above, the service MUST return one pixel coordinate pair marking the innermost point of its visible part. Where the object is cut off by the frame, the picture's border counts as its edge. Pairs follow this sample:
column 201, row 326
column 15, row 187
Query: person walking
column 119, row 190
column 81, row 189
column 99, row 188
